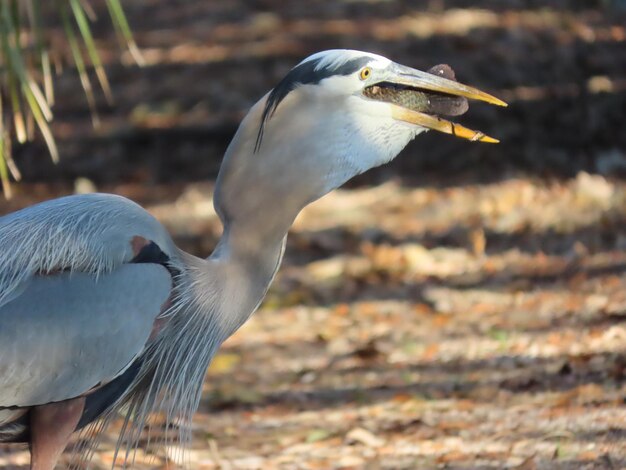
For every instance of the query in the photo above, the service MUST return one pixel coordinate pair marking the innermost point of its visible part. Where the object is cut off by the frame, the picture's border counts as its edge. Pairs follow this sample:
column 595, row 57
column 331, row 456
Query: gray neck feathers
column 213, row 298
column 259, row 193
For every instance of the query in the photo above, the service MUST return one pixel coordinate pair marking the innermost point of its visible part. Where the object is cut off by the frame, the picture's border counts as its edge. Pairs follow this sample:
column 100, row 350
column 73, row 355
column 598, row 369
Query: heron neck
column 244, row 267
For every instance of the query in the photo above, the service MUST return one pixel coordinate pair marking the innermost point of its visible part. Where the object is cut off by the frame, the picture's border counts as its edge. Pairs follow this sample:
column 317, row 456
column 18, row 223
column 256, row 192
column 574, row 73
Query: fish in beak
column 421, row 98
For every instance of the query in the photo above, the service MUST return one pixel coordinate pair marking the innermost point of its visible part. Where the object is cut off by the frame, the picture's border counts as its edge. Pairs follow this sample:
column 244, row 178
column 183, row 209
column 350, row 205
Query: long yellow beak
column 417, row 79
column 438, row 124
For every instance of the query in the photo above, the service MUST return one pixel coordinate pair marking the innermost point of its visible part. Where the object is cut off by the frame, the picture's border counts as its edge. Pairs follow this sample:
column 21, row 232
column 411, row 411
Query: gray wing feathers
column 89, row 233
column 69, row 332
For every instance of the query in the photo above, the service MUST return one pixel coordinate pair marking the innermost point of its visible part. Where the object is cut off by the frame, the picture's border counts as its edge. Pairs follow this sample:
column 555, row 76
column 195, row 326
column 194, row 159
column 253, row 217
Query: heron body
column 100, row 310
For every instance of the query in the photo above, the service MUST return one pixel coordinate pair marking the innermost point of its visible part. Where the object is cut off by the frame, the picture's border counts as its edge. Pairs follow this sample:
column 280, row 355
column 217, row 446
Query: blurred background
column 462, row 307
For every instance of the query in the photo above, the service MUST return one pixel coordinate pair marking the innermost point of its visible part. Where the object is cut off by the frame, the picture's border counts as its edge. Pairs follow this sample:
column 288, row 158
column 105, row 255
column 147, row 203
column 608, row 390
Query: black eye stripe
column 304, row 74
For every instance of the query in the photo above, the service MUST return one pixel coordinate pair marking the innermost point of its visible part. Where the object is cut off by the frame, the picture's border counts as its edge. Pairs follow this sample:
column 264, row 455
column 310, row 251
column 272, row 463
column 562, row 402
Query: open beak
column 439, row 93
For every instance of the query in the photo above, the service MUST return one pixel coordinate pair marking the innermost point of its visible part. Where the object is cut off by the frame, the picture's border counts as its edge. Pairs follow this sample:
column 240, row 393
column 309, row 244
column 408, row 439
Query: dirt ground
column 461, row 308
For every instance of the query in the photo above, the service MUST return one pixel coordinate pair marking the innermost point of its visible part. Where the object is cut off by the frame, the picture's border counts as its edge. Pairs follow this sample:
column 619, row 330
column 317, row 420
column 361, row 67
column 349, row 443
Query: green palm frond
column 26, row 82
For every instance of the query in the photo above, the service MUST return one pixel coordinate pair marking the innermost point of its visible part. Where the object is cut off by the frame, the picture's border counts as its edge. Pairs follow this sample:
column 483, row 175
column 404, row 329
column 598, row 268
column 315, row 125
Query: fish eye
column 365, row 73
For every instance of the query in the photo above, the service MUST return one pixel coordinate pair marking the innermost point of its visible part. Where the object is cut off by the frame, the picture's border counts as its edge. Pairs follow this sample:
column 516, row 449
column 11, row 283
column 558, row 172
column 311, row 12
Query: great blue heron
column 99, row 309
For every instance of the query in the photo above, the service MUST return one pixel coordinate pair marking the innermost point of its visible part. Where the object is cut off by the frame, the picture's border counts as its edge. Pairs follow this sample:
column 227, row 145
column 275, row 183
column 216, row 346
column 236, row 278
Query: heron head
column 339, row 113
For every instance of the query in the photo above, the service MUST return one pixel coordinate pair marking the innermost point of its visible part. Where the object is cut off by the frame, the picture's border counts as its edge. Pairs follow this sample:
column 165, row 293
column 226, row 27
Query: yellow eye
column 365, row 73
